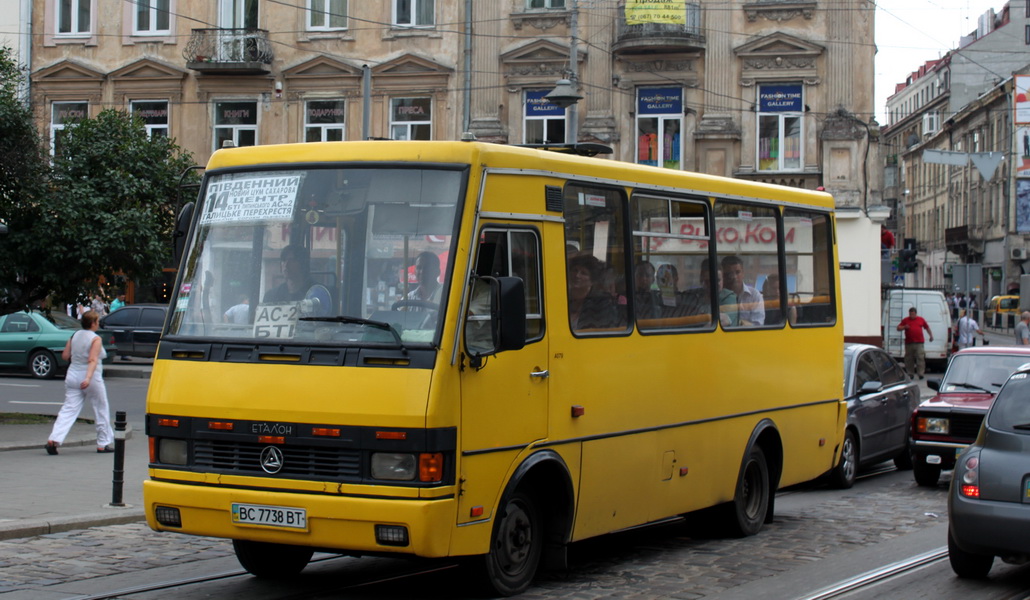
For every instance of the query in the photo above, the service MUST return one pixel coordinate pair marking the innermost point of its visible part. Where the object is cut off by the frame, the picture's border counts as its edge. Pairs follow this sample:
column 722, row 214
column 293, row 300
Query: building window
column 780, row 141
column 1026, row 35
column 73, row 17
column 413, row 13
column 154, row 114
column 543, row 122
column 235, row 122
column 151, row 17
column 325, row 15
column 63, row 115
column 323, row 121
column 548, row 4
column 411, row 119
column 659, row 127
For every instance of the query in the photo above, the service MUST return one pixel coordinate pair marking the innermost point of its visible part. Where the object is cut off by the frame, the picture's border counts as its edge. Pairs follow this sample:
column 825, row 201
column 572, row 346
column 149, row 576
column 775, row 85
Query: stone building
column 777, row 91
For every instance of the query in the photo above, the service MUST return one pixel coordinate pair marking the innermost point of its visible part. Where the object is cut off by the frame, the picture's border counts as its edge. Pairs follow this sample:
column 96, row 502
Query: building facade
column 776, row 91
column 953, row 159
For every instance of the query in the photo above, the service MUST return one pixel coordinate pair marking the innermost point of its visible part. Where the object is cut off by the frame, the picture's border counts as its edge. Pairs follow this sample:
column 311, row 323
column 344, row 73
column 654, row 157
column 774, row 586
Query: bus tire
column 751, row 498
column 271, row 561
column 515, row 549
column 843, row 475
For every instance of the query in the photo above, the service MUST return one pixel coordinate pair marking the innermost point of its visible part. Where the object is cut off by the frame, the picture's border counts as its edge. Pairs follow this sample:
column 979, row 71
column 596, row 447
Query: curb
column 32, row 527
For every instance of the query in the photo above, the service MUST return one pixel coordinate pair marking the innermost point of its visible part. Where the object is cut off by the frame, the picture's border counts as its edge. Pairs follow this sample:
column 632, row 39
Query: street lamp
column 564, row 94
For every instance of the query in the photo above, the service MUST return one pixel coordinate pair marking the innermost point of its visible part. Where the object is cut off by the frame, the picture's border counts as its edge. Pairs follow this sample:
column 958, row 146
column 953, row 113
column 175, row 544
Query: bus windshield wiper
column 359, row 321
column 971, row 386
column 1021, row 426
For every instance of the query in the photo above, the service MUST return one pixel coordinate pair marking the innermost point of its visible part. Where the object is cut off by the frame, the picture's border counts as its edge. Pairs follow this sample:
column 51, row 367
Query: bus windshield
column 320, row 256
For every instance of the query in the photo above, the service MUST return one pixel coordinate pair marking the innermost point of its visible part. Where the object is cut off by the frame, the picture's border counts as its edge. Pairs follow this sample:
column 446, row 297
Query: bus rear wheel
column 271, row 561
column 751, row 499
column 516, row 547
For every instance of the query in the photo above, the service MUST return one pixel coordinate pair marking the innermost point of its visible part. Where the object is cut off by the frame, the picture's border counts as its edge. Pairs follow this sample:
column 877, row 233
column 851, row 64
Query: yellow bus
column 460, row 349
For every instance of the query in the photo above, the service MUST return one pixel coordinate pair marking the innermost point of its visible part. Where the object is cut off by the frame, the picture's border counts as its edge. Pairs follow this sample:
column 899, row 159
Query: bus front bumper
column 346, row 524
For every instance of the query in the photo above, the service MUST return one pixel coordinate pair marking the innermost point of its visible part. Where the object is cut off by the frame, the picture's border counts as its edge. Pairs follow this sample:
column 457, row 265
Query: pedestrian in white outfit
column 84, row 380
column 965, row 328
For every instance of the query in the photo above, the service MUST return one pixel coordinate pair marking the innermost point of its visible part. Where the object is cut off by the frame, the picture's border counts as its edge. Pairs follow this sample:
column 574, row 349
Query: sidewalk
column 73, row 490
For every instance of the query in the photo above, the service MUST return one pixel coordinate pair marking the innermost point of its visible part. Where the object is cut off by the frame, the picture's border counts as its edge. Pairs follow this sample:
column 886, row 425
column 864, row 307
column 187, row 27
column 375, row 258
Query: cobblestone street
column 659, row 562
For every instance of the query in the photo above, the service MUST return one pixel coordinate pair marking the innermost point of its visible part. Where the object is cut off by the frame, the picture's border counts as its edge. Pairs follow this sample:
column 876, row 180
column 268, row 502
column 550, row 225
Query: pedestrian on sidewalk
column 965, row 327
column 84, row 380
column 1023, row 329
column 915, row 351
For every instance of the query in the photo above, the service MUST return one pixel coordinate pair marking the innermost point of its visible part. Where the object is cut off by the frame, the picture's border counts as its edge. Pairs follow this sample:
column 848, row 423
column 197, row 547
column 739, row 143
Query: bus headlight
column 394, row 466
column 936, row 425
column 172, row 452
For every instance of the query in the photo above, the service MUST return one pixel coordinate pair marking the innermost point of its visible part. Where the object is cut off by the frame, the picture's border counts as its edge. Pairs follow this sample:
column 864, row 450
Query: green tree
column 108, row 209
column 24, row 171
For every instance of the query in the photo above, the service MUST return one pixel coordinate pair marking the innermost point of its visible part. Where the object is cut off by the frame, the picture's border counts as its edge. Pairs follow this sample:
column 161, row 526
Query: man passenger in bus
column 589, row 306
column 298, row 284
column 427, row 273
column 646, row 303
column 751, row 306
column 698, row 301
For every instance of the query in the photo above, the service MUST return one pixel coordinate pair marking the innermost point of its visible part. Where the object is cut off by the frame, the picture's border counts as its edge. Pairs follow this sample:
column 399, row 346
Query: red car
column 944, row 425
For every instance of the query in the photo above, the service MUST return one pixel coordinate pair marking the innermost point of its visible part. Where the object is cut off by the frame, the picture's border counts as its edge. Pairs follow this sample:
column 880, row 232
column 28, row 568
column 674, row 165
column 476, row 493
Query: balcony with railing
column 229, row 51
column 653, row 38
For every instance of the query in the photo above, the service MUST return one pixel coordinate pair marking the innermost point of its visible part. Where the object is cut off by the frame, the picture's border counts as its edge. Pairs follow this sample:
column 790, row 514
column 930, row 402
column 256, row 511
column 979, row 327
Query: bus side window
column 507, row 253
column 809, row 251
column 596, row 261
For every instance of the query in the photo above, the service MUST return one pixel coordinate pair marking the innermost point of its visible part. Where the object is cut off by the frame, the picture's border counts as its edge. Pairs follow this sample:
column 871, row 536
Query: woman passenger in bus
column 298, row 284
column 698, row 301
column 589, row 306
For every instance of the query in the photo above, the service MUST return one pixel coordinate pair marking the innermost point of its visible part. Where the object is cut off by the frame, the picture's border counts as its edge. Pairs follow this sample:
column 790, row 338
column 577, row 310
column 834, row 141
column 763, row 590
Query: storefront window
column 660, row 127
column 780, row 143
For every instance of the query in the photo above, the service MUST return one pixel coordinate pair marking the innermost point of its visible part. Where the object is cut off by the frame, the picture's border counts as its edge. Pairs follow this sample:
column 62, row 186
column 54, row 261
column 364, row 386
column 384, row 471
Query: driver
column 427, row 272
column 298, row 284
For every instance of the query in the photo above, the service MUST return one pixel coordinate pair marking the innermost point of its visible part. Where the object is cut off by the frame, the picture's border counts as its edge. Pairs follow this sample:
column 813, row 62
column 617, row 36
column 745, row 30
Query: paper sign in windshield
column 276, row 321
column 249, row 199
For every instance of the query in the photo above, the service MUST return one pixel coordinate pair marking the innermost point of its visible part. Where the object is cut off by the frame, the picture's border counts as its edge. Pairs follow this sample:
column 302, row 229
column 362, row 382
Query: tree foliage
column 107, row 208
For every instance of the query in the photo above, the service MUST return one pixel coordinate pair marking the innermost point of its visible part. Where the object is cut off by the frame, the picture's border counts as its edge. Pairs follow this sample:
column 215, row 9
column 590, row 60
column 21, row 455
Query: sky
column 911, row 32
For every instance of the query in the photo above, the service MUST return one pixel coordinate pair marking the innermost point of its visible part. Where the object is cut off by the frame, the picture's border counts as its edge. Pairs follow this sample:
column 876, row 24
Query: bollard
column 120, row 431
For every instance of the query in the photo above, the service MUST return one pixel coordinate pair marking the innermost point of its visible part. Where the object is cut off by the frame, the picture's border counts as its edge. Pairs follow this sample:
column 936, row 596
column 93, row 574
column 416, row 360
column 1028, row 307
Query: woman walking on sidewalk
column 84, row 380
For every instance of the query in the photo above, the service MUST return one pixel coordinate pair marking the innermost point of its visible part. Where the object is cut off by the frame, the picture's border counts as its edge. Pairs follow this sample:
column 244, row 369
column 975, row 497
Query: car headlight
column 172, row 452
column 394, row 466
column 935, row 425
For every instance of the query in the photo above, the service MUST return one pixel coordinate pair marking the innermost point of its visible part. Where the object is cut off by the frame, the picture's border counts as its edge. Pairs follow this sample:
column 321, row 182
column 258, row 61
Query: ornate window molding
column 779, row 11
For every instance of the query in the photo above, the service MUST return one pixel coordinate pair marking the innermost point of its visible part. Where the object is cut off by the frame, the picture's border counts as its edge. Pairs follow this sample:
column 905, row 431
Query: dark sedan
column 881, row 398
column 34, row 341
column 136, row 328
column 989, row 499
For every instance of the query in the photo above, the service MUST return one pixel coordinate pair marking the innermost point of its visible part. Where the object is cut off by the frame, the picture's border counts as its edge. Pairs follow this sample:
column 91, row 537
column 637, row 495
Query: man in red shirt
column 915, row 355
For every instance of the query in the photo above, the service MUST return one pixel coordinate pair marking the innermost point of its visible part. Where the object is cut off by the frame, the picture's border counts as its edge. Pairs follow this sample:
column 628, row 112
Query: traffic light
column 907, row 260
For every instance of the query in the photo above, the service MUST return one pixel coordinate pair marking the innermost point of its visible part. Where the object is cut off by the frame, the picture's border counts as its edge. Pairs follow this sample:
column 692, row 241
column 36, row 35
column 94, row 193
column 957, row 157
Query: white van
column 931, row 305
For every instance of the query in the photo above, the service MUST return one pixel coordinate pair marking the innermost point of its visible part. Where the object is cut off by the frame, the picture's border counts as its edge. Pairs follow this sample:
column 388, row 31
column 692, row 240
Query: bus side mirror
column 496, row 319
column 182, row 229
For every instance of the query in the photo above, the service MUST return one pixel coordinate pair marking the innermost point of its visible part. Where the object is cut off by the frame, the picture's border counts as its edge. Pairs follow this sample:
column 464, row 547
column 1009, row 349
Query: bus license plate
column 271, row 516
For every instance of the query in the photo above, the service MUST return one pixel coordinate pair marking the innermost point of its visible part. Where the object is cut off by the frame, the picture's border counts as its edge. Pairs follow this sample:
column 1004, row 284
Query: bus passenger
column 752, row 308
column 646, row 303
column 668, row 285
column 427, row 273
column 298, row 284
column 698, row 301
column 589, row 306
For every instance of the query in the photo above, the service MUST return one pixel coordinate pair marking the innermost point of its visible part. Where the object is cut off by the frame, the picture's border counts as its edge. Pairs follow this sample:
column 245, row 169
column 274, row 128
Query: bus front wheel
column 751, row 499
column 271, row 561
column 516, row 547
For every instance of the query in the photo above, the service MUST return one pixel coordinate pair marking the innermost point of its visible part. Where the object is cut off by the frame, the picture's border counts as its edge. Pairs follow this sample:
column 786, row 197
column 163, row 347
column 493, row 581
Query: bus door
column 504, row 396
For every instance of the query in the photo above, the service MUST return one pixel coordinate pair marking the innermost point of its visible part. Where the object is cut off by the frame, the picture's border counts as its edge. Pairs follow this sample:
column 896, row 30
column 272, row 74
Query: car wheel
column 747, row 511
column 926, row 475
column 518, row 542
column 42, row 364
column 271, row 561
column 843, row 475
column 966, row 564
column 903, row 461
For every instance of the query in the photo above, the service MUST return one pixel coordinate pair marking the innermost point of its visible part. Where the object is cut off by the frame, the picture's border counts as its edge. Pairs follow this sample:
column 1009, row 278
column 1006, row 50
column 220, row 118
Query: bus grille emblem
column 271, row 460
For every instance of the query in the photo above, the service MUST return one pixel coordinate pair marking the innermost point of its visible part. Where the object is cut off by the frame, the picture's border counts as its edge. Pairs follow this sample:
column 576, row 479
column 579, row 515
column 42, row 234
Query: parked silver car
column 989, row 499
column 881, row 398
